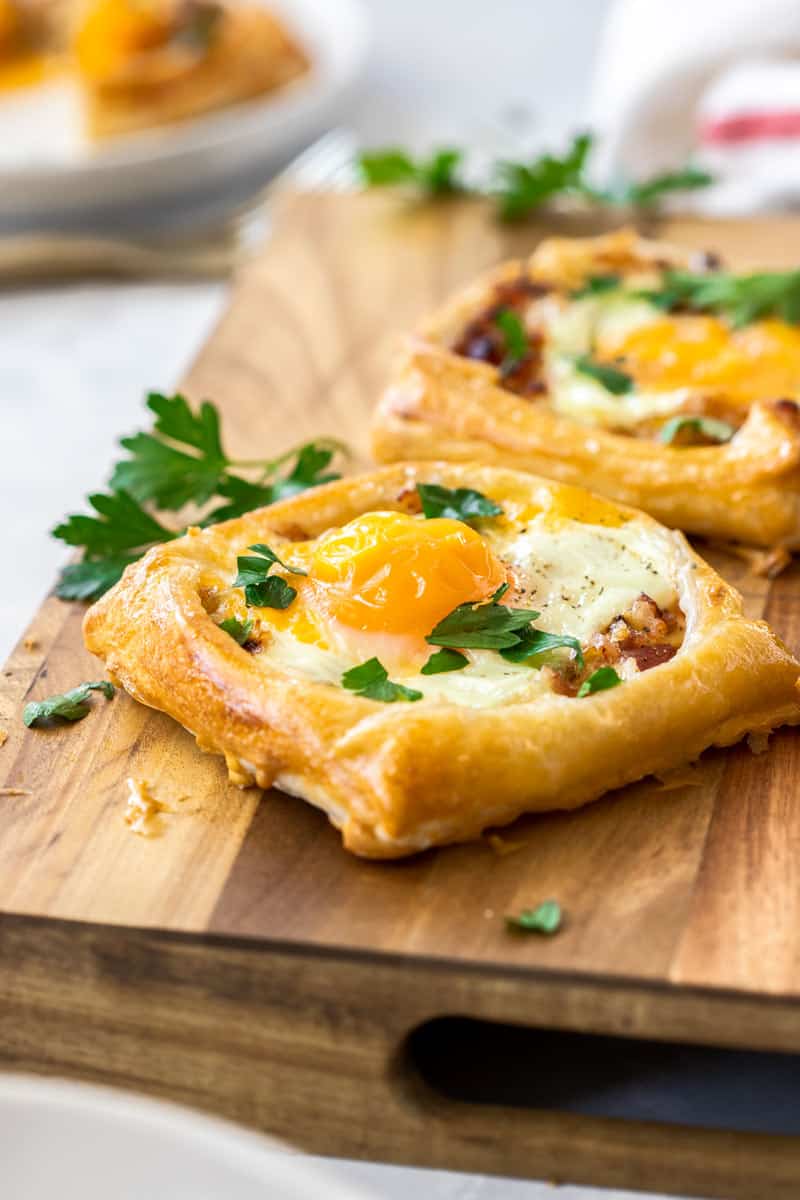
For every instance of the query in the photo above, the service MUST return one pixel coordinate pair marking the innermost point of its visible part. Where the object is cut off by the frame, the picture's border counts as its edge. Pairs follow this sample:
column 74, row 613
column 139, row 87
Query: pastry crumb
column 143, row 810
column 30, row 642
column 502, row 846
column 15, row 791
column 3, row 737
column 679, row 778
column 757, row 743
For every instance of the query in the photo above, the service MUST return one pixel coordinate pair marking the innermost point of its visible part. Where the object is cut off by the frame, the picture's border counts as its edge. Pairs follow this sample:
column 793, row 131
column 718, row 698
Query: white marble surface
column 75, row 361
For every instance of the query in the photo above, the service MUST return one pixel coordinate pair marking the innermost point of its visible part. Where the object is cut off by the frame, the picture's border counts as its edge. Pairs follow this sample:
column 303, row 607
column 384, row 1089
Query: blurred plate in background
column 48, row 169
column 79, row 1142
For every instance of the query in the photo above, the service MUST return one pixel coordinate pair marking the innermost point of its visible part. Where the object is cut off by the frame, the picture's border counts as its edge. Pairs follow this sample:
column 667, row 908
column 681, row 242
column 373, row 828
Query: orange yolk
column 704, row 353
column 114, row 31
column 387, row 573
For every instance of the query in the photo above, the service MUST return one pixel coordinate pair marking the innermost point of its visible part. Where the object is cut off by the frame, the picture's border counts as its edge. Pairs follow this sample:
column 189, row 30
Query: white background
column 75, row 361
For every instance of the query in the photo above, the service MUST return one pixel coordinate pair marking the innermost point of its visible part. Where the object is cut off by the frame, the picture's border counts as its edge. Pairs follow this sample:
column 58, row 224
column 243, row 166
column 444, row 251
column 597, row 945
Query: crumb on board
column 3, row 737
column 757, row 743
column 503, row 846
column 30, row 642
column 15, row 791
column 142, row 810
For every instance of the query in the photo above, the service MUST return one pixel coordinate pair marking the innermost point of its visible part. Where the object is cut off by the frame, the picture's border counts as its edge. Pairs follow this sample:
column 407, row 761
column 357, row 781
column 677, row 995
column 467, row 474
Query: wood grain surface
column 243, row 961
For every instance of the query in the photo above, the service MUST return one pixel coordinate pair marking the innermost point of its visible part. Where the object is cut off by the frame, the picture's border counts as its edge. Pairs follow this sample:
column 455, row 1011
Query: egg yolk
column 390, row 573
column 383, row 576
column 703, row 352
column 116, row 30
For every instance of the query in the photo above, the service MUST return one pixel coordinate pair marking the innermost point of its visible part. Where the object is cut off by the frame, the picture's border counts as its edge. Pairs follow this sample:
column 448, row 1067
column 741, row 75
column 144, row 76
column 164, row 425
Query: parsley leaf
column 596, row 285
column 181, row 461
column 490, row 626
column 90, row 579
column 122, row 525
column 239, row 630
column 740, row 298
column 546, row 919
column 520, row 188
column 461, row 504
column 708, row 427
column 71, row 706
column 262, row 590
column 647, row 191
column 371, row 680
column 161, row 472
column 535, row 641
column 614, row 381
column 515, row 336
column 445, row 660
column 599, row 681
column 436, row 175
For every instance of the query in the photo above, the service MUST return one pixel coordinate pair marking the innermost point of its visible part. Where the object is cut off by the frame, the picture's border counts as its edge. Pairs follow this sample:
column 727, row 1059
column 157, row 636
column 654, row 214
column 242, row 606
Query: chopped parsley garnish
column 182, row 461
column 520, row 188
column 708, row 427
column 461, row 504
column 599, row 681
column 445, row 660
column 436, row 175
column 239, row 630
column 515, row 338
column 371, row 680
column 533, row 642
column 490, row 626
column 597, row 285
column 545, row 919
column 614, row 381
column 71, row 706
column 740, row 298
column 262, row 590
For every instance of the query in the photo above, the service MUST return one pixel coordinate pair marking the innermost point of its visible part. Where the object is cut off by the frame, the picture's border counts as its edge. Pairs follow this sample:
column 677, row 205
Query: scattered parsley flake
column 371, row 680
column 71, row 706
column 545, row 919
column 461, row 504
column 445, row 660
column 599, row 681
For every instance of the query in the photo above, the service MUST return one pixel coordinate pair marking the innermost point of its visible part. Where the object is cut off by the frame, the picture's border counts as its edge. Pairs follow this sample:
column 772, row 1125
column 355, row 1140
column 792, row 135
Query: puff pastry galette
column 428, row 650
column 623, row 365
column 144, row 63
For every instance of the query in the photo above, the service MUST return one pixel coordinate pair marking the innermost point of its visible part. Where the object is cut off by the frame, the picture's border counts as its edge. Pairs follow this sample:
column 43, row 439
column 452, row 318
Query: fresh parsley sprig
column 262, row 590
column 461, row 504
column 490, row 626
column 614, row 381
column 371, row 680
column 533, row 642
column 445, row 660
column 545, row 919
column 70, row 706
column 239, row 630
column 740, row 298
column 436, row 175
column 599, row 681
column 181, row 461
column 710, row 428
column 519, row 188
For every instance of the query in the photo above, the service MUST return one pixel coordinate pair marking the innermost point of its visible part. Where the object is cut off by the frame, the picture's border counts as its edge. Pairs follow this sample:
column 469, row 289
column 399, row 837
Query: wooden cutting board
column 242, row 962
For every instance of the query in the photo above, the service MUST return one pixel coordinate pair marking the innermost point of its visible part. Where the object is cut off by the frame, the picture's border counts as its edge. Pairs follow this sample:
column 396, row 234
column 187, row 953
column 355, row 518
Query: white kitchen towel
column 716, row 82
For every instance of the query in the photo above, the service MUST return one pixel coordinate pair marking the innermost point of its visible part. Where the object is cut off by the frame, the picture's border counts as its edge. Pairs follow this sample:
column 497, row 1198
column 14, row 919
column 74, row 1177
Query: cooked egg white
column 577, row 575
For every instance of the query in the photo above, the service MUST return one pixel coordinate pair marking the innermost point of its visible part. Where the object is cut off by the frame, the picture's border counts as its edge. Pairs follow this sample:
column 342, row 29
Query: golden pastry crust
column 398, row 778
column 441, row 405
column 249, row 52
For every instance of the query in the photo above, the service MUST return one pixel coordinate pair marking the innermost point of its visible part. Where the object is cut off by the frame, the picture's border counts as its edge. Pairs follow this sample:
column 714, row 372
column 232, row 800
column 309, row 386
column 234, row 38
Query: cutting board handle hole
column 520, row 1066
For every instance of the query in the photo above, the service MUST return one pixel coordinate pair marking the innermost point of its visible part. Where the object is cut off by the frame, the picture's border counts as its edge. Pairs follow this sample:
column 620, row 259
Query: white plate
column 77, row 1142
column 47, row 167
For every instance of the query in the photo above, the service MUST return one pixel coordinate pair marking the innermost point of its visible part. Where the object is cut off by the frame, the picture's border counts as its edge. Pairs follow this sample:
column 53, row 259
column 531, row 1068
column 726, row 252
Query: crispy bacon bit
column 483, row 340
column 252, row 646
column 409, row 500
